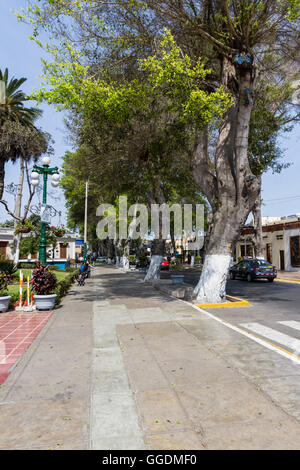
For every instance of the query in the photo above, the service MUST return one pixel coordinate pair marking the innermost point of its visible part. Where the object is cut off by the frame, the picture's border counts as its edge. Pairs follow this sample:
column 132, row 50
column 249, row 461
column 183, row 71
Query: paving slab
column 45, row 401
column 121, row 366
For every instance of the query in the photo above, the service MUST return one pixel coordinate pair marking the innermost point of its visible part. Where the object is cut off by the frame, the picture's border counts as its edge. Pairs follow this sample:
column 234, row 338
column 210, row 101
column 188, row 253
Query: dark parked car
column 253, row 269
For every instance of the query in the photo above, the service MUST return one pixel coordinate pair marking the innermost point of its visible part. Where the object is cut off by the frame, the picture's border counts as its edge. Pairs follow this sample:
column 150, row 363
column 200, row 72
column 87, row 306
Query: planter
column 23, row 230
column 4, row 302
column 45, row 302
column 177, row 278
column 59, row 234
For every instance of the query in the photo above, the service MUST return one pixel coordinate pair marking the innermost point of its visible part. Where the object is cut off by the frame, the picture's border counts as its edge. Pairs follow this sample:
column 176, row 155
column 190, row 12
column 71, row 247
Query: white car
column 101, row 259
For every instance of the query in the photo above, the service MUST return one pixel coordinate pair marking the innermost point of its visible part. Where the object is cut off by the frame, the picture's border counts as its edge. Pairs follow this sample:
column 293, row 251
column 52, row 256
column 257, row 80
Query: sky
column 281, row 192
column 22, row 57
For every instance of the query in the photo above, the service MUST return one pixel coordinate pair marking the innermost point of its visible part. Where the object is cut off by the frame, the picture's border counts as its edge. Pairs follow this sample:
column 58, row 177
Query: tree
column 19, row 139
column 30, row 243
column 7, row 224
column 144, row 147
column 234, row 38
column 15, row 121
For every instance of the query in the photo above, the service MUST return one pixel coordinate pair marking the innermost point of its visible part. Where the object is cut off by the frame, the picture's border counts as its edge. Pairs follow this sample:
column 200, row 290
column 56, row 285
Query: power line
column 288, row 198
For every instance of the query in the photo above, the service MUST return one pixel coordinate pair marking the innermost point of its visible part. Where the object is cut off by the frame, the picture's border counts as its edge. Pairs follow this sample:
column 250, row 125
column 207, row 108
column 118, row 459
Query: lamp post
column 85, row 221
column 46, row 171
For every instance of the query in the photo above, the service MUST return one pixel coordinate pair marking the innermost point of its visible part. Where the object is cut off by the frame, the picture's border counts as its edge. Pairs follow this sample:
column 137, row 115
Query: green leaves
column 168, row 78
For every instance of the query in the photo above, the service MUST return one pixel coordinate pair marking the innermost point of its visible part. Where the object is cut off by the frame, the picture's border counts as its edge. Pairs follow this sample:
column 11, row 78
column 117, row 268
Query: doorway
column 281, row 257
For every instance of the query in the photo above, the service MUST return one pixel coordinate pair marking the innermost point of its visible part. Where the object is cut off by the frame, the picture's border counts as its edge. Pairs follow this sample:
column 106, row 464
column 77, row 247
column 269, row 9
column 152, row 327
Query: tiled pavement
column 17, row 332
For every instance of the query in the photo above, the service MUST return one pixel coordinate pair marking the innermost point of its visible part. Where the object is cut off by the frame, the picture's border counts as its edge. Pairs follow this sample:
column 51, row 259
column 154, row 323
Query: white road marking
column 274, row 335
column 292, row 324
column 249, row 335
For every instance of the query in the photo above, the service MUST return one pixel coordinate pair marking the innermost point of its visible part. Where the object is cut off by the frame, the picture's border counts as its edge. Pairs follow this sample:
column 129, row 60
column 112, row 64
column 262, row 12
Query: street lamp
column 44, row 170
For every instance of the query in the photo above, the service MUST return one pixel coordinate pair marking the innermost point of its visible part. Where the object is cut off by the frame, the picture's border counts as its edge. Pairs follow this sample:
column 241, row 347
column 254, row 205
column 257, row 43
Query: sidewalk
column 289, row 275
column 121, row 366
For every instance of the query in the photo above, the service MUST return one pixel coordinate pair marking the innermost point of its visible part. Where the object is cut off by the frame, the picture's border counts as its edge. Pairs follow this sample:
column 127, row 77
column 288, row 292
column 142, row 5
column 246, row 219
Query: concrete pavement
column 122, row 366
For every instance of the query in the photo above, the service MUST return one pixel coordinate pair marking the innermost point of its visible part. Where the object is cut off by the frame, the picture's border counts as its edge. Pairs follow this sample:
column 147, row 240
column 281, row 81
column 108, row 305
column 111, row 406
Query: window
column 246, row 250
column 262, row 262
column 295, row 251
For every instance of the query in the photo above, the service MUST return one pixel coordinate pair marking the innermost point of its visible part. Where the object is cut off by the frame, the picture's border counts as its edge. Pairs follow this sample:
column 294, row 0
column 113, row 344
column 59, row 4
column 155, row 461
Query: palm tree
column 13, row 109
column 15, row 119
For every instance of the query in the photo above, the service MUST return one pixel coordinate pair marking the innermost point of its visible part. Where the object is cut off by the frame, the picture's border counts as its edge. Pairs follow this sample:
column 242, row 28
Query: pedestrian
column 88, row 269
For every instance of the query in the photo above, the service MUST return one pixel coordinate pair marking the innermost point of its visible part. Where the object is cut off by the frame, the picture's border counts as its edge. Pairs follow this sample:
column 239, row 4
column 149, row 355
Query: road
column 273, row 315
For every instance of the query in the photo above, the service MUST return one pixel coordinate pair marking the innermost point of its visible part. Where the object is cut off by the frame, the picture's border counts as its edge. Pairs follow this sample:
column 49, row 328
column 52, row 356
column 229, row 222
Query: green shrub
column 131, row 259
column 15, row 298
column 8, row 267
column 5, row 279
column 26, row 266
column 64, row 285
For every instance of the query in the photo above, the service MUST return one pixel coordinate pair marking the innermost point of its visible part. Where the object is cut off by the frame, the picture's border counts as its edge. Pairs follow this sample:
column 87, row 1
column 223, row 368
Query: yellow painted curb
column 236, row 302
column 287, row 279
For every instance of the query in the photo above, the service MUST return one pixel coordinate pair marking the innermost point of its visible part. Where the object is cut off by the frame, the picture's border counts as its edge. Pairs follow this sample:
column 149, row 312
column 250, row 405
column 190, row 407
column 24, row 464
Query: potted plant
column 132, row 261
column 5, row 279
column 43, row 285
column 58, row 231
column 198, row 261
column 24, row 227
column 175, row 266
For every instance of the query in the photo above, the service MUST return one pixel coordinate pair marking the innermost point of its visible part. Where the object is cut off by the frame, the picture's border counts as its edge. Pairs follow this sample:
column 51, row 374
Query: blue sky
column 23, row 59
column 281, row 193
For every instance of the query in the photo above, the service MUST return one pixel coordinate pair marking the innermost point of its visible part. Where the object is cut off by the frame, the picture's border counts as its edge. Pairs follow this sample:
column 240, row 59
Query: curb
column 235, row 302
column 285, row 279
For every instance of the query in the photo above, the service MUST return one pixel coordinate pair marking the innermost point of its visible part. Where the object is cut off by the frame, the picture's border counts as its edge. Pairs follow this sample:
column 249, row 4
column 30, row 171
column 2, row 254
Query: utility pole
column 85, row 220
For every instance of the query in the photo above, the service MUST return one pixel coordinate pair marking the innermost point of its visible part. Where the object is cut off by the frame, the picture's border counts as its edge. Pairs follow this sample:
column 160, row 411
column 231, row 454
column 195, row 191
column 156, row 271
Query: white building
column 282, row 242
column 68, row 247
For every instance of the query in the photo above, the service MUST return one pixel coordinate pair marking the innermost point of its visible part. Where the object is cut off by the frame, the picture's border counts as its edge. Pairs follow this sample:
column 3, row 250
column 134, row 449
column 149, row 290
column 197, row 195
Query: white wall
column 287, row 235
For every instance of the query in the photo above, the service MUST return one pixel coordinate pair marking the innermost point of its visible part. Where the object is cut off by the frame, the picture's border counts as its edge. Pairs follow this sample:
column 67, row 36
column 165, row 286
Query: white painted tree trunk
column 192, row 260
column 125, row 262
column 117, row 261
column 17, row 242
column 153, row 272
column 212, row 284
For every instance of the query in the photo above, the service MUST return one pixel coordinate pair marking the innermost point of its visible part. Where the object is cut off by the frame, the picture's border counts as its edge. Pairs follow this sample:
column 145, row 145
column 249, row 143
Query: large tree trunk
column 158, row 249
column 225, row 230
column 230, row 185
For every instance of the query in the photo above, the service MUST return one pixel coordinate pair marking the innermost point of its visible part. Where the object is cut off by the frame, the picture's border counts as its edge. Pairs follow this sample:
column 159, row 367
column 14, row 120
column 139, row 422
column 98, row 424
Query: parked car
column 165, row 264
column 253, row 269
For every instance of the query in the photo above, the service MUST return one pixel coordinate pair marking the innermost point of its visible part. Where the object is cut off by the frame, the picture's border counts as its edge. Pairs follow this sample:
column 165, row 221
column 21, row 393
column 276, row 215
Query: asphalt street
column 273, row 314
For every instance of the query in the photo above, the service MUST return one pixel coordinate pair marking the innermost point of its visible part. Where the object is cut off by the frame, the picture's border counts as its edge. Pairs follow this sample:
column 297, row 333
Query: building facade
column 281, row 239
column 68, row 247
